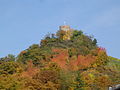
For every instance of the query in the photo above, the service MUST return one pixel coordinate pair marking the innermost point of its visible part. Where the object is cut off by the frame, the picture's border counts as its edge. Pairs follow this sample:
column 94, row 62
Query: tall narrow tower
column 68, row 32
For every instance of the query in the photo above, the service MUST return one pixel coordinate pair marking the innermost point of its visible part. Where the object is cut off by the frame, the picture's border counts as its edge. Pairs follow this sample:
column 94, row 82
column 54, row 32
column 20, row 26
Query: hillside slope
column 66, row 60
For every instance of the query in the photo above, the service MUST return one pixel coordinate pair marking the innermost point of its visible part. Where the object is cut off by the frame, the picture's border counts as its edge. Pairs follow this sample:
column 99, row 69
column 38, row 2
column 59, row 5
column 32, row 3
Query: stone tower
column 64, row 27
column 68, row 31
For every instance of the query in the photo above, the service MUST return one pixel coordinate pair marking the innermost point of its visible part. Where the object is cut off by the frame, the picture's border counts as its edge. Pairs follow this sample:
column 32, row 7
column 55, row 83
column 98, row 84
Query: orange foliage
column 82, row 62
column 62, row 59
column 23, row 52
column 31, row 71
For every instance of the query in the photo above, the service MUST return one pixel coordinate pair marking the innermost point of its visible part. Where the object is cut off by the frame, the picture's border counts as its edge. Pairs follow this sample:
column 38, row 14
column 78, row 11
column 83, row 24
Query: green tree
column 79, row 82
column 36, row 54
column 76, row 33
column 95, row 42
column 10, row 68
column 9, row 57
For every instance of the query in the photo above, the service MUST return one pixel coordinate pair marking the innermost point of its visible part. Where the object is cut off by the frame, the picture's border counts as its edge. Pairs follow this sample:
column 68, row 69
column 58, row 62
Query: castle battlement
column 64, row 27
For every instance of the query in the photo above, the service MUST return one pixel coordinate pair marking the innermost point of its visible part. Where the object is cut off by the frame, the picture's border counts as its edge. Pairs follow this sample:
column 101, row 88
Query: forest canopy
column 66, row 60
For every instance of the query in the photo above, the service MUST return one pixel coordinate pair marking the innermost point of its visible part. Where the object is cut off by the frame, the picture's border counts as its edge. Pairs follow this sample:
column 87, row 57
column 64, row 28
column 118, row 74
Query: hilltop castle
column 68, row 31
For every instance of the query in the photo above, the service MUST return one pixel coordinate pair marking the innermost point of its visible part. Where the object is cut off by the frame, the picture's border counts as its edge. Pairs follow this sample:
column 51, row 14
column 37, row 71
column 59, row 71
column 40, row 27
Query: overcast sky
column 25, row 22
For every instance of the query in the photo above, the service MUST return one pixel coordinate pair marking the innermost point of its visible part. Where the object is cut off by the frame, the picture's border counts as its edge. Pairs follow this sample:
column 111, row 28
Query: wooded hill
column 66, row 60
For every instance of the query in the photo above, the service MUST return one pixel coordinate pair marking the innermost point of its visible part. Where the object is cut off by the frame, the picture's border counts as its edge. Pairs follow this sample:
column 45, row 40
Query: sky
column 26, row 22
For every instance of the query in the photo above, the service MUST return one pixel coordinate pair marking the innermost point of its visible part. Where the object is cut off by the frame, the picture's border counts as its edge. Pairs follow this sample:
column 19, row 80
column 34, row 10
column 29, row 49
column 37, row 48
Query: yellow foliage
column 67, row 35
